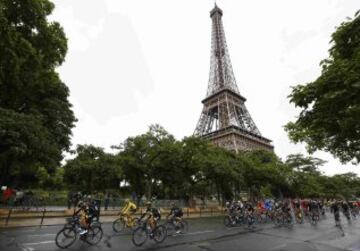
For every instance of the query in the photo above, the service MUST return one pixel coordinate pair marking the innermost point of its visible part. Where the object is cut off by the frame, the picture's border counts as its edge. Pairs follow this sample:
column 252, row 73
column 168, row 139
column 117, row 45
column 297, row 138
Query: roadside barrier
column 8, row 217
column 11, row 217
column 42, row 218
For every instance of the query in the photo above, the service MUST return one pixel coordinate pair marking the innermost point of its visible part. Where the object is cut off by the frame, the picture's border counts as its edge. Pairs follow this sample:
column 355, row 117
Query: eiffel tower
column 224, row 119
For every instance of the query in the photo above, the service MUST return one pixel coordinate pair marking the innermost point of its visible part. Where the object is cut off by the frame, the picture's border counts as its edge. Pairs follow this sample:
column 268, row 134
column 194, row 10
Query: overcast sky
column 132, row 63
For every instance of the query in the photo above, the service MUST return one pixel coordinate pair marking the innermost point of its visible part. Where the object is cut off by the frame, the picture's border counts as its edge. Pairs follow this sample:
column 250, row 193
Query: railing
column 113, row 203
column 13, row 217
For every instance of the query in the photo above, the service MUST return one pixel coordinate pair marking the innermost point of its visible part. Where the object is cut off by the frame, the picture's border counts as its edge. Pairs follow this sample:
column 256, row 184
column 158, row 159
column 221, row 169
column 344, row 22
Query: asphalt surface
column 204, row 234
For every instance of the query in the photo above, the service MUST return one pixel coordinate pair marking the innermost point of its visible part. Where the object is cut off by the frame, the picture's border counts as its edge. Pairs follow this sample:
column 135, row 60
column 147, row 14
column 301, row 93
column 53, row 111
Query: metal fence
column 112, row 203
column 13, row 217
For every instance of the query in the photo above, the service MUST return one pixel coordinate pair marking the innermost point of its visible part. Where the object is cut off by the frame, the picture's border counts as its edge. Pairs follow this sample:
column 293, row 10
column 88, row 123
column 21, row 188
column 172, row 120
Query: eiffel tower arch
column 224, row 119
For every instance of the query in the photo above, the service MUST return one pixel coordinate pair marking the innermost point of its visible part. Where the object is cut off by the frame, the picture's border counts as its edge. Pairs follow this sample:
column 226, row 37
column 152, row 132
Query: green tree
column 92, row 169
column 330, row 106
column 35, row 115
column 265, row 171
column 147, row 160
column 306, row 164
column 347, row 185
column 194, row 151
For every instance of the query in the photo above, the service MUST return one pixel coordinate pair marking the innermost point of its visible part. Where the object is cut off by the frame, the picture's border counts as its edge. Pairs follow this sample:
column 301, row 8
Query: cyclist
column 335, row 208
column 93, row 210
column 128, row 211
column 175, row 214
column 321, row 207
column 286, row 208
column 250, row 214
column 346, row 209
column 305, row 206
column 353, row 209
column 298, row 212
column 153, row 215
column 313, row 210
column 268, row 205
column 236, row 211
column 84, row 220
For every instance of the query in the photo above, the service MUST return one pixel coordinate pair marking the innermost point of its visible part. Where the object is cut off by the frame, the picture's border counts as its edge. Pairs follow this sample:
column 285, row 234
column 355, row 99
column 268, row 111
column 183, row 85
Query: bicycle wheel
column 170, row 228
column 289, row 222
column 118, row 225
column 260, row 219
column 94, row 235
column 277, row 221
column 136, row 223
column 160, row 233
column 228, row 221
column 299, row 219
column 314, row 221
column 139, row 236
column 65, row 237
column 183, row 226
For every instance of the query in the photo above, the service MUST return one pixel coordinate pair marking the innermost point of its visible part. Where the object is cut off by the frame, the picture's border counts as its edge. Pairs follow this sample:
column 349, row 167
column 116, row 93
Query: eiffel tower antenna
column 225, row 119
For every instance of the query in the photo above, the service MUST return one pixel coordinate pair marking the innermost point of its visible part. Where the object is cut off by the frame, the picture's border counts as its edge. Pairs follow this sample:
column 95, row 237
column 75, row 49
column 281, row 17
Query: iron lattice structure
column 224, row 118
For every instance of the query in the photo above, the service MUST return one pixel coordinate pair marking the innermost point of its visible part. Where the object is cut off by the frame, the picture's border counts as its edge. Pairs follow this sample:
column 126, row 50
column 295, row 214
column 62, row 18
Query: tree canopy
column 92, row 169
column 35, row 115
column 156, row 164
column 330, row 106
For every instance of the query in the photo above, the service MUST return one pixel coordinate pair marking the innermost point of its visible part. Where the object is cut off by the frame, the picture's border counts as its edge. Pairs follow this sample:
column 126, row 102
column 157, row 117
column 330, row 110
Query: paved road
column 204, row 235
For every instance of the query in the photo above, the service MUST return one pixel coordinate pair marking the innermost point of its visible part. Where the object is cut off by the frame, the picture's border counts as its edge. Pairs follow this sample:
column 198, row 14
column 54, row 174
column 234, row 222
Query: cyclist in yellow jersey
column 128, row 211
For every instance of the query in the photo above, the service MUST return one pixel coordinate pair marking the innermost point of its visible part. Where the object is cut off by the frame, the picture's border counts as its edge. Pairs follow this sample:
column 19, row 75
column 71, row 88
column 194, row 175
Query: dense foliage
column 155, row 163
column 330, row 106
column 35, row 115
column 92, row 169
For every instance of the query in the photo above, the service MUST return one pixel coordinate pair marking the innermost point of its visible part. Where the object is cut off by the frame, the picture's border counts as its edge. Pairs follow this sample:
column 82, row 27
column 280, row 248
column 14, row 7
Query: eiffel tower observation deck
column 224, row 119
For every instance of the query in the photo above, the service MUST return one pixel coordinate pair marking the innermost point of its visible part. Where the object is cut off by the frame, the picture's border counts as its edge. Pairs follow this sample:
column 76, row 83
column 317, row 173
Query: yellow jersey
column 128, row 207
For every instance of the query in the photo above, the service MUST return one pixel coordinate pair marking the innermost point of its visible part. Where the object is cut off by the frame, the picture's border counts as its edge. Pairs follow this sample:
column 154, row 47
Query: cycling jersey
column 268, row 205
column 345, row 206
column 154, row 212
column 177, row 212
column 129, row 207
column 313, row 206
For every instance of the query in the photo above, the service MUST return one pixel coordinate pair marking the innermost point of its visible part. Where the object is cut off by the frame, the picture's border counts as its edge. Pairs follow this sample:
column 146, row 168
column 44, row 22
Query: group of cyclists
column 147, row 225
column 285, row 212
column 288, row 211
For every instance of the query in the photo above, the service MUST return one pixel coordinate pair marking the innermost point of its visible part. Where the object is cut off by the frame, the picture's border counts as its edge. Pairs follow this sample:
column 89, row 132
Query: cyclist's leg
column 152, row 223
column 130, row 218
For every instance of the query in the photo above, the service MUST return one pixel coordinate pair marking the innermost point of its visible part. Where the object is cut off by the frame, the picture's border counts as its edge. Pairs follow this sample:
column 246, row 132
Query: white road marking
column 34, row 235
column 38, row 243
column 19, row 231
column 199, row 232
column 231, row 228
column 28, row 249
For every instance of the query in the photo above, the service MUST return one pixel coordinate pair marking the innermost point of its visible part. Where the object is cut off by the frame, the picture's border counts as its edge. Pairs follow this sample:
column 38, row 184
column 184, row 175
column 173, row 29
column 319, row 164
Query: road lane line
column 198, row 232
column 37, row 243
column 34, row 235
